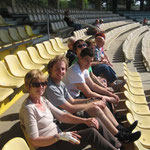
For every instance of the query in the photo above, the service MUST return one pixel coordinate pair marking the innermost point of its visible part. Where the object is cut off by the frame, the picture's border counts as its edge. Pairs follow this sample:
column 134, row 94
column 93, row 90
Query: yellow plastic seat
column 27, row 139
column 50, row 49
column 26, row 61
column 30, row 32
column 14, row 35
column 15, row 66
column 134, row 91
column 137, row 99
column 145, row 133
column 7, row 80
column 143, row 120
column 135, row 84
column 56, row 47
column 60, row 44
column 139, row 146
column 131, row 73
column 133, row 78
column 5, row 92
column 138, row 109
column 35, row 56
column 16, row 143
column 43, row 52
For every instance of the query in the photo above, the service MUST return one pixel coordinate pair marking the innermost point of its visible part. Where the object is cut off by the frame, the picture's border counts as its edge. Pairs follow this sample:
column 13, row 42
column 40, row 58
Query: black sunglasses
column 82, row 45
column 38, row 84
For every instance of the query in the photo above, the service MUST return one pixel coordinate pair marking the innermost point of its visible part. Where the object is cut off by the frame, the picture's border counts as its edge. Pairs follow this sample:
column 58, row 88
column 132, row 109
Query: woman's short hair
column 76, row 44
column 33, row 76
column 52, row 62
column 87, row 52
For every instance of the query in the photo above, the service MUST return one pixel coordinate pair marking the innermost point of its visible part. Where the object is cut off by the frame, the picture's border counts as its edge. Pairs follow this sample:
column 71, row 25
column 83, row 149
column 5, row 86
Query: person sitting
column 37, row 116
column 70, row 22
column 78, row 46
column 101, row 81
column 145, row 21
column 57, row 93
column 71, row 54
column 95, row 29
column 102, row 65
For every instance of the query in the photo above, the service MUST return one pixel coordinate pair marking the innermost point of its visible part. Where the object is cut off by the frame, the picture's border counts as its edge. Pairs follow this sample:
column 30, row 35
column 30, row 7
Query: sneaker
column 128, row 129
column 128, row 137
column 118, row 84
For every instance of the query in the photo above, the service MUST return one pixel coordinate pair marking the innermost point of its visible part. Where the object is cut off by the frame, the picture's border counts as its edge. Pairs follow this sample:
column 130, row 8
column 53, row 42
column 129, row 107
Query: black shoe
column 132, row 126
column 129, row 129
column 128, row 137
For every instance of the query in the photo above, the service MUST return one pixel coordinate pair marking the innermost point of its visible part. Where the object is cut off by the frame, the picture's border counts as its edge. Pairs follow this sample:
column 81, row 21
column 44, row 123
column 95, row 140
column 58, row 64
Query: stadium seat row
column 14, row 67
column 111, row 35
column 131, row 42
column 138, row 107
column 18, row 35
column 146, row 50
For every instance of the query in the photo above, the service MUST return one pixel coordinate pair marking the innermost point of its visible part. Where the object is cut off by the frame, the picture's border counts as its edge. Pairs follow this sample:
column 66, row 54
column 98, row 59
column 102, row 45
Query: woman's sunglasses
column 38, row 84
column 82, row 45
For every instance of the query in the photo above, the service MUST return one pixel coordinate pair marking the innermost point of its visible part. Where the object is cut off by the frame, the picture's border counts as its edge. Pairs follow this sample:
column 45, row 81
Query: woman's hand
column 71, row 137
column 92, row 122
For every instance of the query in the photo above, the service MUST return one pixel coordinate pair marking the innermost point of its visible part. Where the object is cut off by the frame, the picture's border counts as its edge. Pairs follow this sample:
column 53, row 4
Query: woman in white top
column 37, row 116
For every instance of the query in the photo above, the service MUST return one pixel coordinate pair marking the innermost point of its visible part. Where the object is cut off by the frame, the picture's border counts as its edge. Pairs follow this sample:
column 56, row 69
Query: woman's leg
column 89, row 136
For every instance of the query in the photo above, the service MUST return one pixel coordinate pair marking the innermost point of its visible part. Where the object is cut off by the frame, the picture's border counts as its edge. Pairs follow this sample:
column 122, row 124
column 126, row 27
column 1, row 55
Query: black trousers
column 100, row 139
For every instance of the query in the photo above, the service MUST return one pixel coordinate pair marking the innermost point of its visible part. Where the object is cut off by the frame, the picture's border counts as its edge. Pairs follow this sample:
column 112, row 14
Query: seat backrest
column 35, row 56
column 16, row 143
column 27, row 139
column 2, row 21
column 29, row 30
column 42, row 50
column 4, row 36
column 22, row 32
column 15, row 66
column 14, row 34
column 49, row 48
column 55, row 45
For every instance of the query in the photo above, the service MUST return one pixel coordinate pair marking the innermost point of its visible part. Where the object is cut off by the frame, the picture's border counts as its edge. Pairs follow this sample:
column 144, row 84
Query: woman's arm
column 44, row 141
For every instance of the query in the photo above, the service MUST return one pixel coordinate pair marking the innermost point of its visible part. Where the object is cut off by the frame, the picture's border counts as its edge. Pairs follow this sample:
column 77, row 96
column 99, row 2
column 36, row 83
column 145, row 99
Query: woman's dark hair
column 87, row 52
column 76, row 44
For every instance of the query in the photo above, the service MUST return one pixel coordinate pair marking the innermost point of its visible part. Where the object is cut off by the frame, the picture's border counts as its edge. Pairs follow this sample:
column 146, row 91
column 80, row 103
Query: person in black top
column 70, row 22
column 71, row 54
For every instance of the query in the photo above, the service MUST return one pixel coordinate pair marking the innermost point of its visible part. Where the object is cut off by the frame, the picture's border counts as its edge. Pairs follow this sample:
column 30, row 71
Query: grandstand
column 31, row 34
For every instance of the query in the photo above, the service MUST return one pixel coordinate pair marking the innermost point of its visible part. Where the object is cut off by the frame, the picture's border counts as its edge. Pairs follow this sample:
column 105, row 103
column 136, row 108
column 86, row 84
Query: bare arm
column 73, row 108
column 99, row 89
column 43, row 141
column 96, row 88
column 78, row 101
column 84, row 88
column 95, row 79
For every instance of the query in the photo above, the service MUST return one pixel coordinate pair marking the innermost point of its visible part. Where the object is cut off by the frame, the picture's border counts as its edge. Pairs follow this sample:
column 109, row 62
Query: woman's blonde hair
column 33, row 76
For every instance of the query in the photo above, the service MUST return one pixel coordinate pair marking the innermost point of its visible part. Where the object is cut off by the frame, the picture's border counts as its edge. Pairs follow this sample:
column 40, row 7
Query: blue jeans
column 106, row 70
